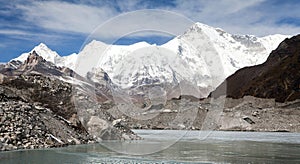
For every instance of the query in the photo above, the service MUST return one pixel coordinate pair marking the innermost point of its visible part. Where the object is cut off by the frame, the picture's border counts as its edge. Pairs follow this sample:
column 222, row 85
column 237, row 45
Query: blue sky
column 64, row 25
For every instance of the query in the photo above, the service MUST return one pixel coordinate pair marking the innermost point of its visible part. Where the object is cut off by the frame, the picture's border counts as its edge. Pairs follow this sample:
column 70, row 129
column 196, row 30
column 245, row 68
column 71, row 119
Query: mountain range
column 201, row 57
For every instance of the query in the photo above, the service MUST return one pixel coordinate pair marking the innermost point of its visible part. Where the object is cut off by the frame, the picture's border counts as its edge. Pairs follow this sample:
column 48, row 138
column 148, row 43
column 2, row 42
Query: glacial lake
column 174, row 146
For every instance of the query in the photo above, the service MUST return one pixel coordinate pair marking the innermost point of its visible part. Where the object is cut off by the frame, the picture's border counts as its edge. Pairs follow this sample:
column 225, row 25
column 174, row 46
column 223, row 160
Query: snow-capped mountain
column 203, row 56
column 51, row 56
column 217, row 47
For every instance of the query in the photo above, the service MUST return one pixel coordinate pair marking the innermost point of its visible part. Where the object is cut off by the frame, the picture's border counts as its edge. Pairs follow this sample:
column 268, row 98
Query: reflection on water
column 218, row 147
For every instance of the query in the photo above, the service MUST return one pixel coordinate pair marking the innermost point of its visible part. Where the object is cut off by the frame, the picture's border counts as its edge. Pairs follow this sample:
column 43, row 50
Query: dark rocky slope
column 43, row 105
column 278, row 77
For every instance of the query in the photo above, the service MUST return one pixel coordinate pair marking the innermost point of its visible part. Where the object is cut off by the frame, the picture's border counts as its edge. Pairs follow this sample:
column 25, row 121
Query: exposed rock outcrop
column 30, row 125
column 62, row 115
column 258, row 114
column 278, row 77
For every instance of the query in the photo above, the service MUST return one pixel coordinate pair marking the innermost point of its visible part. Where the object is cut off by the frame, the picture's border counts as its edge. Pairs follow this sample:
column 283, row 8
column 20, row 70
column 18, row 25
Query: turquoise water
column 174, row 147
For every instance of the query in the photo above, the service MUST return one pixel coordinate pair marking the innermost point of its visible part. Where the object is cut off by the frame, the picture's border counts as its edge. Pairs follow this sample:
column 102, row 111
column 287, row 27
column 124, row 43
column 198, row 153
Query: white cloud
column 234, row 16
column 95, row 20
column 12, row 32
column 213, row 9
column 66, row 16
column 240, row 17
column 29, row 36
column 143, row 23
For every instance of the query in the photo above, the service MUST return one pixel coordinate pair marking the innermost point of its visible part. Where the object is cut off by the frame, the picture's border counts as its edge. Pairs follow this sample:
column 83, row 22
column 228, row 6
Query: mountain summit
column 49, row 55
column 43, row 51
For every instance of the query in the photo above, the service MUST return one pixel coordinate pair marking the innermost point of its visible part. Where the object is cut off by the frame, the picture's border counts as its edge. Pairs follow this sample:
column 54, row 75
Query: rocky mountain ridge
column 278, row 77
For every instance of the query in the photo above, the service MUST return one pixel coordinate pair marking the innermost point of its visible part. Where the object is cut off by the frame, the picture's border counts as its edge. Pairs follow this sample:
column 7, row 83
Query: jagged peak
column 33, row 54
column 43, row 50
column 42, row 45
column 34, row 58
column 200, row 26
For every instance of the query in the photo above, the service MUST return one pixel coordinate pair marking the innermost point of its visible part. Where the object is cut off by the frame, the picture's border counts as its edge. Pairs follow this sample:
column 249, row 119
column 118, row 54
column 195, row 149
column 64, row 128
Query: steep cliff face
column 278, row 77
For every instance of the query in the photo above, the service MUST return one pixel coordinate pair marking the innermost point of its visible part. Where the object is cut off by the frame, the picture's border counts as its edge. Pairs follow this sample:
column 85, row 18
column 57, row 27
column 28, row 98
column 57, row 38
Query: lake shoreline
column 218, row 146
column 161, row 130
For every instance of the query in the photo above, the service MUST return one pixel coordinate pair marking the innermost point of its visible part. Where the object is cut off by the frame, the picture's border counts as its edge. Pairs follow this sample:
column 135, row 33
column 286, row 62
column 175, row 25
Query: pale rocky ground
column 266, row 115
column 30, row 126
column 247, row 114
